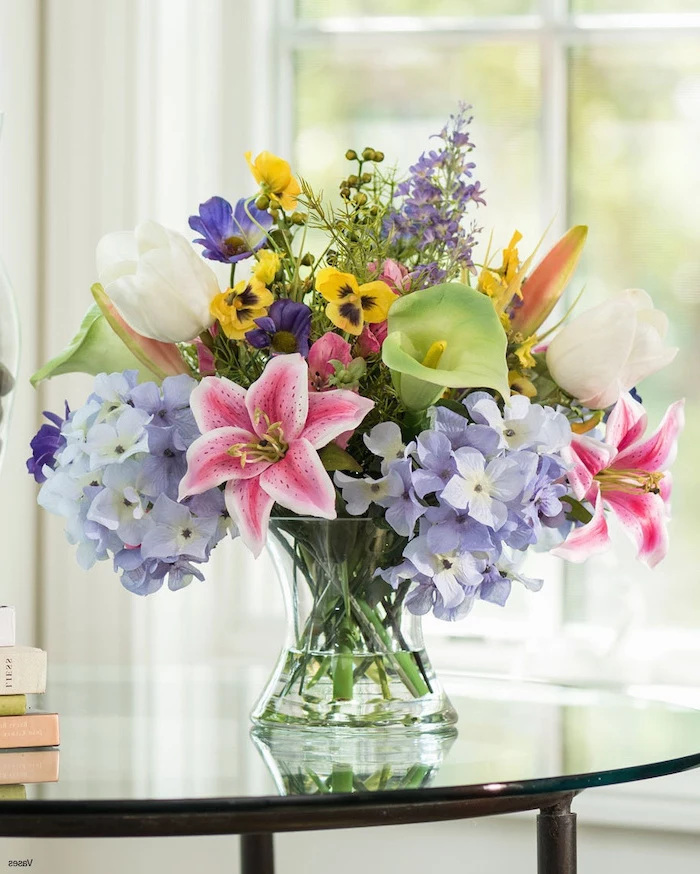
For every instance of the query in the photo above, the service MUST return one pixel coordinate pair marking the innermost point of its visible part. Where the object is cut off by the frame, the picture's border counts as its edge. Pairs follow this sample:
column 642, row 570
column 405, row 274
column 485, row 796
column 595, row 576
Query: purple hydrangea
column 117, row 465
column 470, row 495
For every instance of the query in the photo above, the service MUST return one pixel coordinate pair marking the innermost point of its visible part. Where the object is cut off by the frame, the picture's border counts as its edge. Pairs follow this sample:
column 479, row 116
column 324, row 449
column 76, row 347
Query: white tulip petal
column 157, row 282
column 116, row 255
column 586, row 357
column 150, row 235
column 655, row 318
column 638, row 298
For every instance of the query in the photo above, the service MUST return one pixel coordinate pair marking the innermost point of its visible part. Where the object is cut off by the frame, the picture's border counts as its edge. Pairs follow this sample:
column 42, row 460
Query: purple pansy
column 228, row 234
column 284, row 330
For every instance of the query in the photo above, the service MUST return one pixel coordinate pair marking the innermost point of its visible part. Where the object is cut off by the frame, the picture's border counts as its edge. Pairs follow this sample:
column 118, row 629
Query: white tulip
column 157, row 281
column 610, row 348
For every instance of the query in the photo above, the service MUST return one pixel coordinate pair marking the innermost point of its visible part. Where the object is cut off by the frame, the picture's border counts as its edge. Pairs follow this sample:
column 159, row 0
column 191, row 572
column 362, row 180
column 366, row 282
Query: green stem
column 406, row 666
column 342, row 779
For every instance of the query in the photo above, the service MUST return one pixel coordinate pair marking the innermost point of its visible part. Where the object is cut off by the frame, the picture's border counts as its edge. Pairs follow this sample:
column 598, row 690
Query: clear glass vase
column 9, row 354
column 354, row 656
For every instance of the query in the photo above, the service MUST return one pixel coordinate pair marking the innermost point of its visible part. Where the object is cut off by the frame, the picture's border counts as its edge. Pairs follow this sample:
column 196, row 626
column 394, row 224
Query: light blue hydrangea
column 116, row 481
column 471, row 495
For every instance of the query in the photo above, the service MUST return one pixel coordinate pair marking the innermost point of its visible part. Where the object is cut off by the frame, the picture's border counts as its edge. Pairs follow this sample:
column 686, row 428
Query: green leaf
column 455, row 406
column 94, row 349
column 577, row 512
column 335, row 458
column 463, row 319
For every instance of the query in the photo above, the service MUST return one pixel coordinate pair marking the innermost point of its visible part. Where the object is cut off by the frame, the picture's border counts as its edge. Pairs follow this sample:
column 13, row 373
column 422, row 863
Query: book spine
column 32, row 730
column 13, row 705
column 31, row 766
column 23, row 671
column 7, row 626
column 13, row 793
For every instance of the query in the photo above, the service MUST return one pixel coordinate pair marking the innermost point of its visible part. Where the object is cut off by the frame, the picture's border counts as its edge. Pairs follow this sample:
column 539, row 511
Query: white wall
column 20, row 244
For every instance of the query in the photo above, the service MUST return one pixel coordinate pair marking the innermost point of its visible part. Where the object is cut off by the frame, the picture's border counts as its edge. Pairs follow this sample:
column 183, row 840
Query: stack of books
column 23, row 729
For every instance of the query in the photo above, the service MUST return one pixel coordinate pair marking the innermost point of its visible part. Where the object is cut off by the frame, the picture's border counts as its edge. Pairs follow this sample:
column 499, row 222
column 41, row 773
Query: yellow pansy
column 237, row 308
column 351, row 304
column 274, row 176
column 267, row 266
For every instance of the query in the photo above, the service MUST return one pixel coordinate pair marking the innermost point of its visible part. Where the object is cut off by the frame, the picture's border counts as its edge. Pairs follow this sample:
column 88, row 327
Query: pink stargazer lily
column 627, row 475
column 263, row 442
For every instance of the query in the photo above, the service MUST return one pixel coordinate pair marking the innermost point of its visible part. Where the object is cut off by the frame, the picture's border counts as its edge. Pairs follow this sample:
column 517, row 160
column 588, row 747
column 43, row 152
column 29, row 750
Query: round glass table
column 169, row 751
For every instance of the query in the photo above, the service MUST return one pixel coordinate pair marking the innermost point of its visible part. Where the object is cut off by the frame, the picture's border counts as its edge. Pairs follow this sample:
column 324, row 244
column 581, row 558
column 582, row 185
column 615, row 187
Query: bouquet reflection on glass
column 312, row 763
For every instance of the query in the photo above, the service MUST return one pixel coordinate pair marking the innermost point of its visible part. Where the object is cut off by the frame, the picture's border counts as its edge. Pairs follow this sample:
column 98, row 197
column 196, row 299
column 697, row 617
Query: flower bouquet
column 365, row 393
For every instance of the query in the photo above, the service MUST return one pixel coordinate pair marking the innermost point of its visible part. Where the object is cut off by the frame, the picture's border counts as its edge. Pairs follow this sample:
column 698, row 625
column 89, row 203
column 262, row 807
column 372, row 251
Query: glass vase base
column 388, row 690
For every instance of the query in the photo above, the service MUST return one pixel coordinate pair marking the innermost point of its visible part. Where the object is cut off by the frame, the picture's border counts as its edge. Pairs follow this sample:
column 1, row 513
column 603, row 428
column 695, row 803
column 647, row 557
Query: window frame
column 564, row 649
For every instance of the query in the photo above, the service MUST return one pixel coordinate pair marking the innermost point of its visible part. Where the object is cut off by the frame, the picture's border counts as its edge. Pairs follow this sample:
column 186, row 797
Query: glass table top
column 145, row 736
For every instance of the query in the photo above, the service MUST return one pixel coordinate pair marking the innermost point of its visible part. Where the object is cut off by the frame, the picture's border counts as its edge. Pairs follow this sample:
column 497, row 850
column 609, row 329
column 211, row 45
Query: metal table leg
column 257, row 854
column 556, row 839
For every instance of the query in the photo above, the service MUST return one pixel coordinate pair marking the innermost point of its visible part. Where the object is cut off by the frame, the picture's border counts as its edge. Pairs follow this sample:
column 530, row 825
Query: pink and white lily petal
column 209, row 464
column 589, row 539
column 626, row 422
column 249, row 506
column 643, row 516
column 586, row 457
column 333, row 413
column 219, row 403
column 300, row 483
column 281, row 394
column 659, row 450
column 665, row 489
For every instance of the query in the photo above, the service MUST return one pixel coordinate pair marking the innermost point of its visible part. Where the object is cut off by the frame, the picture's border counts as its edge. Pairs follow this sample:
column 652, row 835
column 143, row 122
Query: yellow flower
column 267, row 266
column 524, row 353
column 237, row 308
column 350, row 304
column 274, row 176
column 511, row 259
column 494, row 281
column 489, row 283
column 521, row 385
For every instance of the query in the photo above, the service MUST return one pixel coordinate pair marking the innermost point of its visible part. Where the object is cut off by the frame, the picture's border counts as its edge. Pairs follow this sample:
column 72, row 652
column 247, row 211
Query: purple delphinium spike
column 427, row 222
column 230, row 235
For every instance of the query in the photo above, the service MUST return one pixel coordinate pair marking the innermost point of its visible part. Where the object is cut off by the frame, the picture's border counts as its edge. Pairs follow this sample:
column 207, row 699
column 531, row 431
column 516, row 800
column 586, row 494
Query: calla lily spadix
column 445, row 336
column 263, row 443
column 627, row 475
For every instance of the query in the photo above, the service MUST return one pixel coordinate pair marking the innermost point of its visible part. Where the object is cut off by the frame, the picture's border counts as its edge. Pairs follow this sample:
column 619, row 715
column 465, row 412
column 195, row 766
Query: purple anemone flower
column 284, row 330
column 228, row 234
column 47, row 442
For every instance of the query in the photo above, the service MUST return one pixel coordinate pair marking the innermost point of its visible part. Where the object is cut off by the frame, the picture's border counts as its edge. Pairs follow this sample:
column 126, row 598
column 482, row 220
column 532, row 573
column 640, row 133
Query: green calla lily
column 447, row 336
column 94, row 349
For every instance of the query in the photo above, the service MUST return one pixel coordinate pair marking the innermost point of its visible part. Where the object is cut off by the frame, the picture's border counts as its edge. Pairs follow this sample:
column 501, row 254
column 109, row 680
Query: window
column 588, row 114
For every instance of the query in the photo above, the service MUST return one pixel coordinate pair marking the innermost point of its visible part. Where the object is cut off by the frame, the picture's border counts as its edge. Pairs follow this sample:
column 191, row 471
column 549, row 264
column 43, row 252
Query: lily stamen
column 630, row 481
